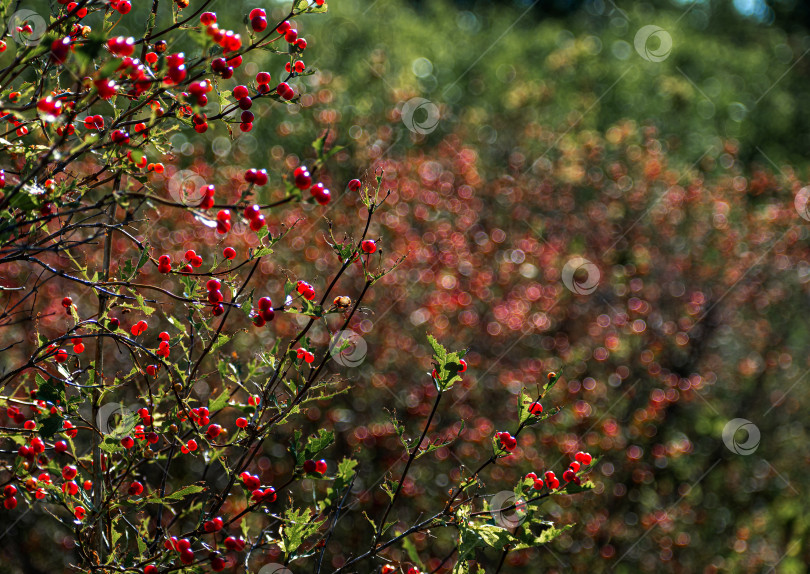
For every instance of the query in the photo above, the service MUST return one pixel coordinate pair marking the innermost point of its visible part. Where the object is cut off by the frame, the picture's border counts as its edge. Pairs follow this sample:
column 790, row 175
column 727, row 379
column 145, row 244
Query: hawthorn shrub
column 157, row 346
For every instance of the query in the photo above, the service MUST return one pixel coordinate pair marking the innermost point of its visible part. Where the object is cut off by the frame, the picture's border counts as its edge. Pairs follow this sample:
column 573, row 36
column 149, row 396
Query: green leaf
column 315, row 444
column 446, row 364
column 218, row 403
column 50, row 426
column 183, row 492
column 295, row 530
column 52, row 391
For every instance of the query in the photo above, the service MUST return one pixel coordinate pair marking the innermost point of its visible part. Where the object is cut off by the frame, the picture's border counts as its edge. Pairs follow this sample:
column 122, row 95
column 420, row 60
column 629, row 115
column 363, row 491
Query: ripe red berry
column 263, row 78
column 259, row 23
column 354, row 185
column 79, row 512
column 61, row 356
column 60, row 446
column 320, row 466
column 583, row 458
column 369, row 246
column 242, row 422
column 207, row 18
column 67, row 302
column 535, row 408
column 69, row 472
column 135, row 488
column 229, row 253
column 150, row 569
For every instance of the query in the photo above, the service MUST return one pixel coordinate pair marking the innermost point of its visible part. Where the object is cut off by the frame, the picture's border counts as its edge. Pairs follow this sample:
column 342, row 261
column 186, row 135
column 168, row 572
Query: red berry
column 60, row 446
column 259, row 23
column 583, row 458
column 67, row 302
column 263, row 78
column 320, row 466
column 240, row 92
column 535, row 408
column 127, row 442
column 79, row 512
column 354, row 185
column 213, row 285
column 242, row 422
column 229, row 253
column 207, row 18
column 368, row 246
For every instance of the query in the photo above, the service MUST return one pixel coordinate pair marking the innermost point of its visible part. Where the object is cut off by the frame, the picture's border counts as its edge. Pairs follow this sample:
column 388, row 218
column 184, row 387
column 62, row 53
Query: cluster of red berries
column 10, row 501
column 228, row 40
column 315, row 466
column 306, row 355
column 139, row 327
column 305, row 290
column 508, row 442
column 253, row 484
column 213, row 431
column 50, row 107
column 223, row 221
column 198, row 91
column 215, row 296
column 190, row 446
column 258, row 19
column 256, row 176
column 193, row 259
column 31, row 450
column 182, row 546
column 208, row 192
column 121, row 46
column 121, row 6
column 163, row 347
column 67, row 303
column 291, row 35
column 119, row 137
column 213, row 525
column 78, row 345
column 176, row 68
column 199, row 415
column 15, row 414
column 264, row 312
column 297, row 67
column 285, row 91
column 94, row 123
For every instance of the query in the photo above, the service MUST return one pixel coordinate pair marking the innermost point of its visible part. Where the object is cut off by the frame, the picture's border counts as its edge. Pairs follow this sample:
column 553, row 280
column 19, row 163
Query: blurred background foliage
column 675, row 178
